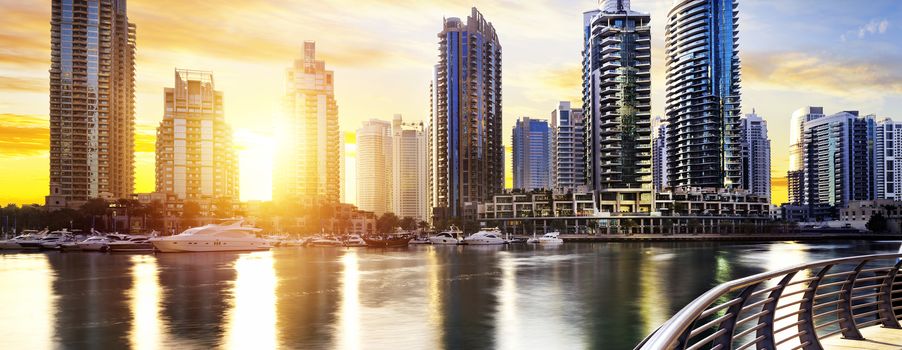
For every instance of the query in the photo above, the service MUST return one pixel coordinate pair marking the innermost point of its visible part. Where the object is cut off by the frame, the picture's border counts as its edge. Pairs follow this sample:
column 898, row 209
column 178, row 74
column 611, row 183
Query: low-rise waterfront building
column 679, row 211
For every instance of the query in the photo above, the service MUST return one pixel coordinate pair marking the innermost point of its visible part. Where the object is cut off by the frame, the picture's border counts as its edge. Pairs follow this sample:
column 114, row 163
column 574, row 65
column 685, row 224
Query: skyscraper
column 92, row 102
column 374, row 166
column 409, row 166
column 755, row 155
column 307, row 169
column 795, row 177
column 194, row 154
column 888, row 169
column 617, row 104
column 659, row 155
column 466, row 117
column 568, row 148
column 838, row 159
column 531, row 154
column 703, row 98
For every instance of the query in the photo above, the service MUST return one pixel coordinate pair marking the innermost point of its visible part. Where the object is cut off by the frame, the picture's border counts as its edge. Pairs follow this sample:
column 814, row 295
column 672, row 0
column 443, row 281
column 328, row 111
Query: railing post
column 807, row 332
column 767, row 332
column 847, row 323
column 885, row 299
column 725, row 340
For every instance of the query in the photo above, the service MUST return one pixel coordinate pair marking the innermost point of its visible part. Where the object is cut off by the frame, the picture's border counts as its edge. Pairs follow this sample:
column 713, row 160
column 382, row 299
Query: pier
column 762, row 237
column 846, row 303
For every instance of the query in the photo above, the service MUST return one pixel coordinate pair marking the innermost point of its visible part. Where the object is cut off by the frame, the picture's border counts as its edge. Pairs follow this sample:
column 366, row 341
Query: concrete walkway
column 876, row 338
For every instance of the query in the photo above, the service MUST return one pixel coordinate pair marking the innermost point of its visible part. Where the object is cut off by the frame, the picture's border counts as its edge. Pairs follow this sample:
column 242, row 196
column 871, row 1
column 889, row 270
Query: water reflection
column 147, row 326
column 252, row 320
column 348, row 326
column 28, row 302
column 600, row 296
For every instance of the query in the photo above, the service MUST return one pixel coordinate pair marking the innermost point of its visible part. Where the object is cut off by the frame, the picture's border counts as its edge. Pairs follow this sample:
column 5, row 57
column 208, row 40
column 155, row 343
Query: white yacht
column 354, row 241
column 451, row 236
column 324, row 242
column 27, row 235
column 230, row 236
column 491, row 236
column 549, row 238
column 95, row 244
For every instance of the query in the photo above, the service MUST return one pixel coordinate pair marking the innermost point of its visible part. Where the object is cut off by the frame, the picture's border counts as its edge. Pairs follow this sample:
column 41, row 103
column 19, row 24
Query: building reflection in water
column 28, row 302
column 147, row 327
column 251, row 322
column 654, row 303
column 92, row 308
column 435, row 298
column 307, row 294
column 196, row 296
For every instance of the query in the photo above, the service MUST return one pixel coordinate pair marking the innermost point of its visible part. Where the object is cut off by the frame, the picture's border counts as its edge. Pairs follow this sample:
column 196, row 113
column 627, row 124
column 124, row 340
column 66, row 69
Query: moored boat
column 551, row 238
column 324, row 242
column 136, row 244
column 354, row 241
column 451, row 236
column 490, row 236
column 230, row 236
column 387, row 241
column 94, row 244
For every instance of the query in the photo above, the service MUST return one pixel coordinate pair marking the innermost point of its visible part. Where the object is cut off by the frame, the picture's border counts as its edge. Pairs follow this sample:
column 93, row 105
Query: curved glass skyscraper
column 703, row 102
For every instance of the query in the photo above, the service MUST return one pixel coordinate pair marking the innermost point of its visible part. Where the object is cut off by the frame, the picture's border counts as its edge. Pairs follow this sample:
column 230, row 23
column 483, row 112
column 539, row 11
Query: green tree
column 96, row 211
column 387, row 223
column 190, row 213
column 408, row 223
column 423, row 226
column 223, row 208
column 877, row 223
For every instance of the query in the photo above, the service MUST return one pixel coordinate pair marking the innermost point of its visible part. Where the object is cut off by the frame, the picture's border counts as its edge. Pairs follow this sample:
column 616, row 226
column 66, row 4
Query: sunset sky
column 832, row 53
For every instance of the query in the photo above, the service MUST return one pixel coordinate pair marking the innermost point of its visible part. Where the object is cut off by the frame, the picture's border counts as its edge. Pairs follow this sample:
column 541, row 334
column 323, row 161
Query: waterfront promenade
column 875, row 338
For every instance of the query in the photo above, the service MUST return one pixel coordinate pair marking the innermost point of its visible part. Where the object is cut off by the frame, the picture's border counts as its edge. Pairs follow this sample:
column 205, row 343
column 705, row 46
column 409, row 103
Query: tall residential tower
column 195, row 158
column 703, row 100
column 374, row 166
column 530, row 141
column 92, row 102
column 617, row 105
column 568, row 148
column 307, row 167
column 755, row 155
column 409, row 168
column 466, row 118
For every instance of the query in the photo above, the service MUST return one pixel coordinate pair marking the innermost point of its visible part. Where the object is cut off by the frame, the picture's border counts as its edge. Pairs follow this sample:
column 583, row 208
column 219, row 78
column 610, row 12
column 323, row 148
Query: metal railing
column 791, row 308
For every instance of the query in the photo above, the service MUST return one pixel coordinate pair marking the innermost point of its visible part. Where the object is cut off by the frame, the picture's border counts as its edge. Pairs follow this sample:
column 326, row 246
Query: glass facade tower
column 531, row 154
column 703, row 97
column 92, row 102
column 466, row 148
column 617, row 106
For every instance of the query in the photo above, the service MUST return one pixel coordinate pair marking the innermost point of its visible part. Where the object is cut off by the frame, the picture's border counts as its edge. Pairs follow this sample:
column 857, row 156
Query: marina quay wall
column 694, row 211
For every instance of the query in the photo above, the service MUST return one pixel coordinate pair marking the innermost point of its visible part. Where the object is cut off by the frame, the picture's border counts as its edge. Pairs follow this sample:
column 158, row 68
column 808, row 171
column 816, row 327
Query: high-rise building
column 795, row 177
column 195, row 158
column 703, row 97
column 888, row 169
column 568, row 148
column 466, row 118
column 755, row 155
column 838, row 159
column 409, row 170
column 659, row 155
column 617, row 105
column 92, row 102
column 374, row 166
column 307, row 167
column 531, row 154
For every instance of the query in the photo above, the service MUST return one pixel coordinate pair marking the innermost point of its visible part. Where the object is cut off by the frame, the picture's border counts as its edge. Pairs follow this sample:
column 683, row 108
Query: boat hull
column 444, row 241
column 131, row 248
column 482, row 242
column 191, row 246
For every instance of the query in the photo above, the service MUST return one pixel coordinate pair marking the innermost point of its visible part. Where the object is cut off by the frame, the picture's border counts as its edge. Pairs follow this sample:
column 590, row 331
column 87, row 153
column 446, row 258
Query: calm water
column 601, row 296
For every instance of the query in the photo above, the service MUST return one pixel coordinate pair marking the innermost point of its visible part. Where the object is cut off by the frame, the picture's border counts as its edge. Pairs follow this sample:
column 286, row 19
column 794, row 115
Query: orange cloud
column 24, row 84
column 23, row 135
column 799, row 71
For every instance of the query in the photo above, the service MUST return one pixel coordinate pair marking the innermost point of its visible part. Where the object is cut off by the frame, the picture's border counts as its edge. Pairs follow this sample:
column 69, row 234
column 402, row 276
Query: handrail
column 844, row 297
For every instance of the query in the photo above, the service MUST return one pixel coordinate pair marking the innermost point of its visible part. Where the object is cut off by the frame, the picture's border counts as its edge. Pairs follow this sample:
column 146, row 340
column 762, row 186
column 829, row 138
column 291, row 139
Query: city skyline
column 771, row 77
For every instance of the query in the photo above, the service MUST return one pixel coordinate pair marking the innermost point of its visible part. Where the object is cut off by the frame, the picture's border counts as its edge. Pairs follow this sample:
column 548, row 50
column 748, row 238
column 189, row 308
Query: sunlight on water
column 146, row 332
column 653, row 303
column 436, row 297
column 782, row 255
column 348, row 329
column 27, row 319
column 508, row 336
column 252, row 321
